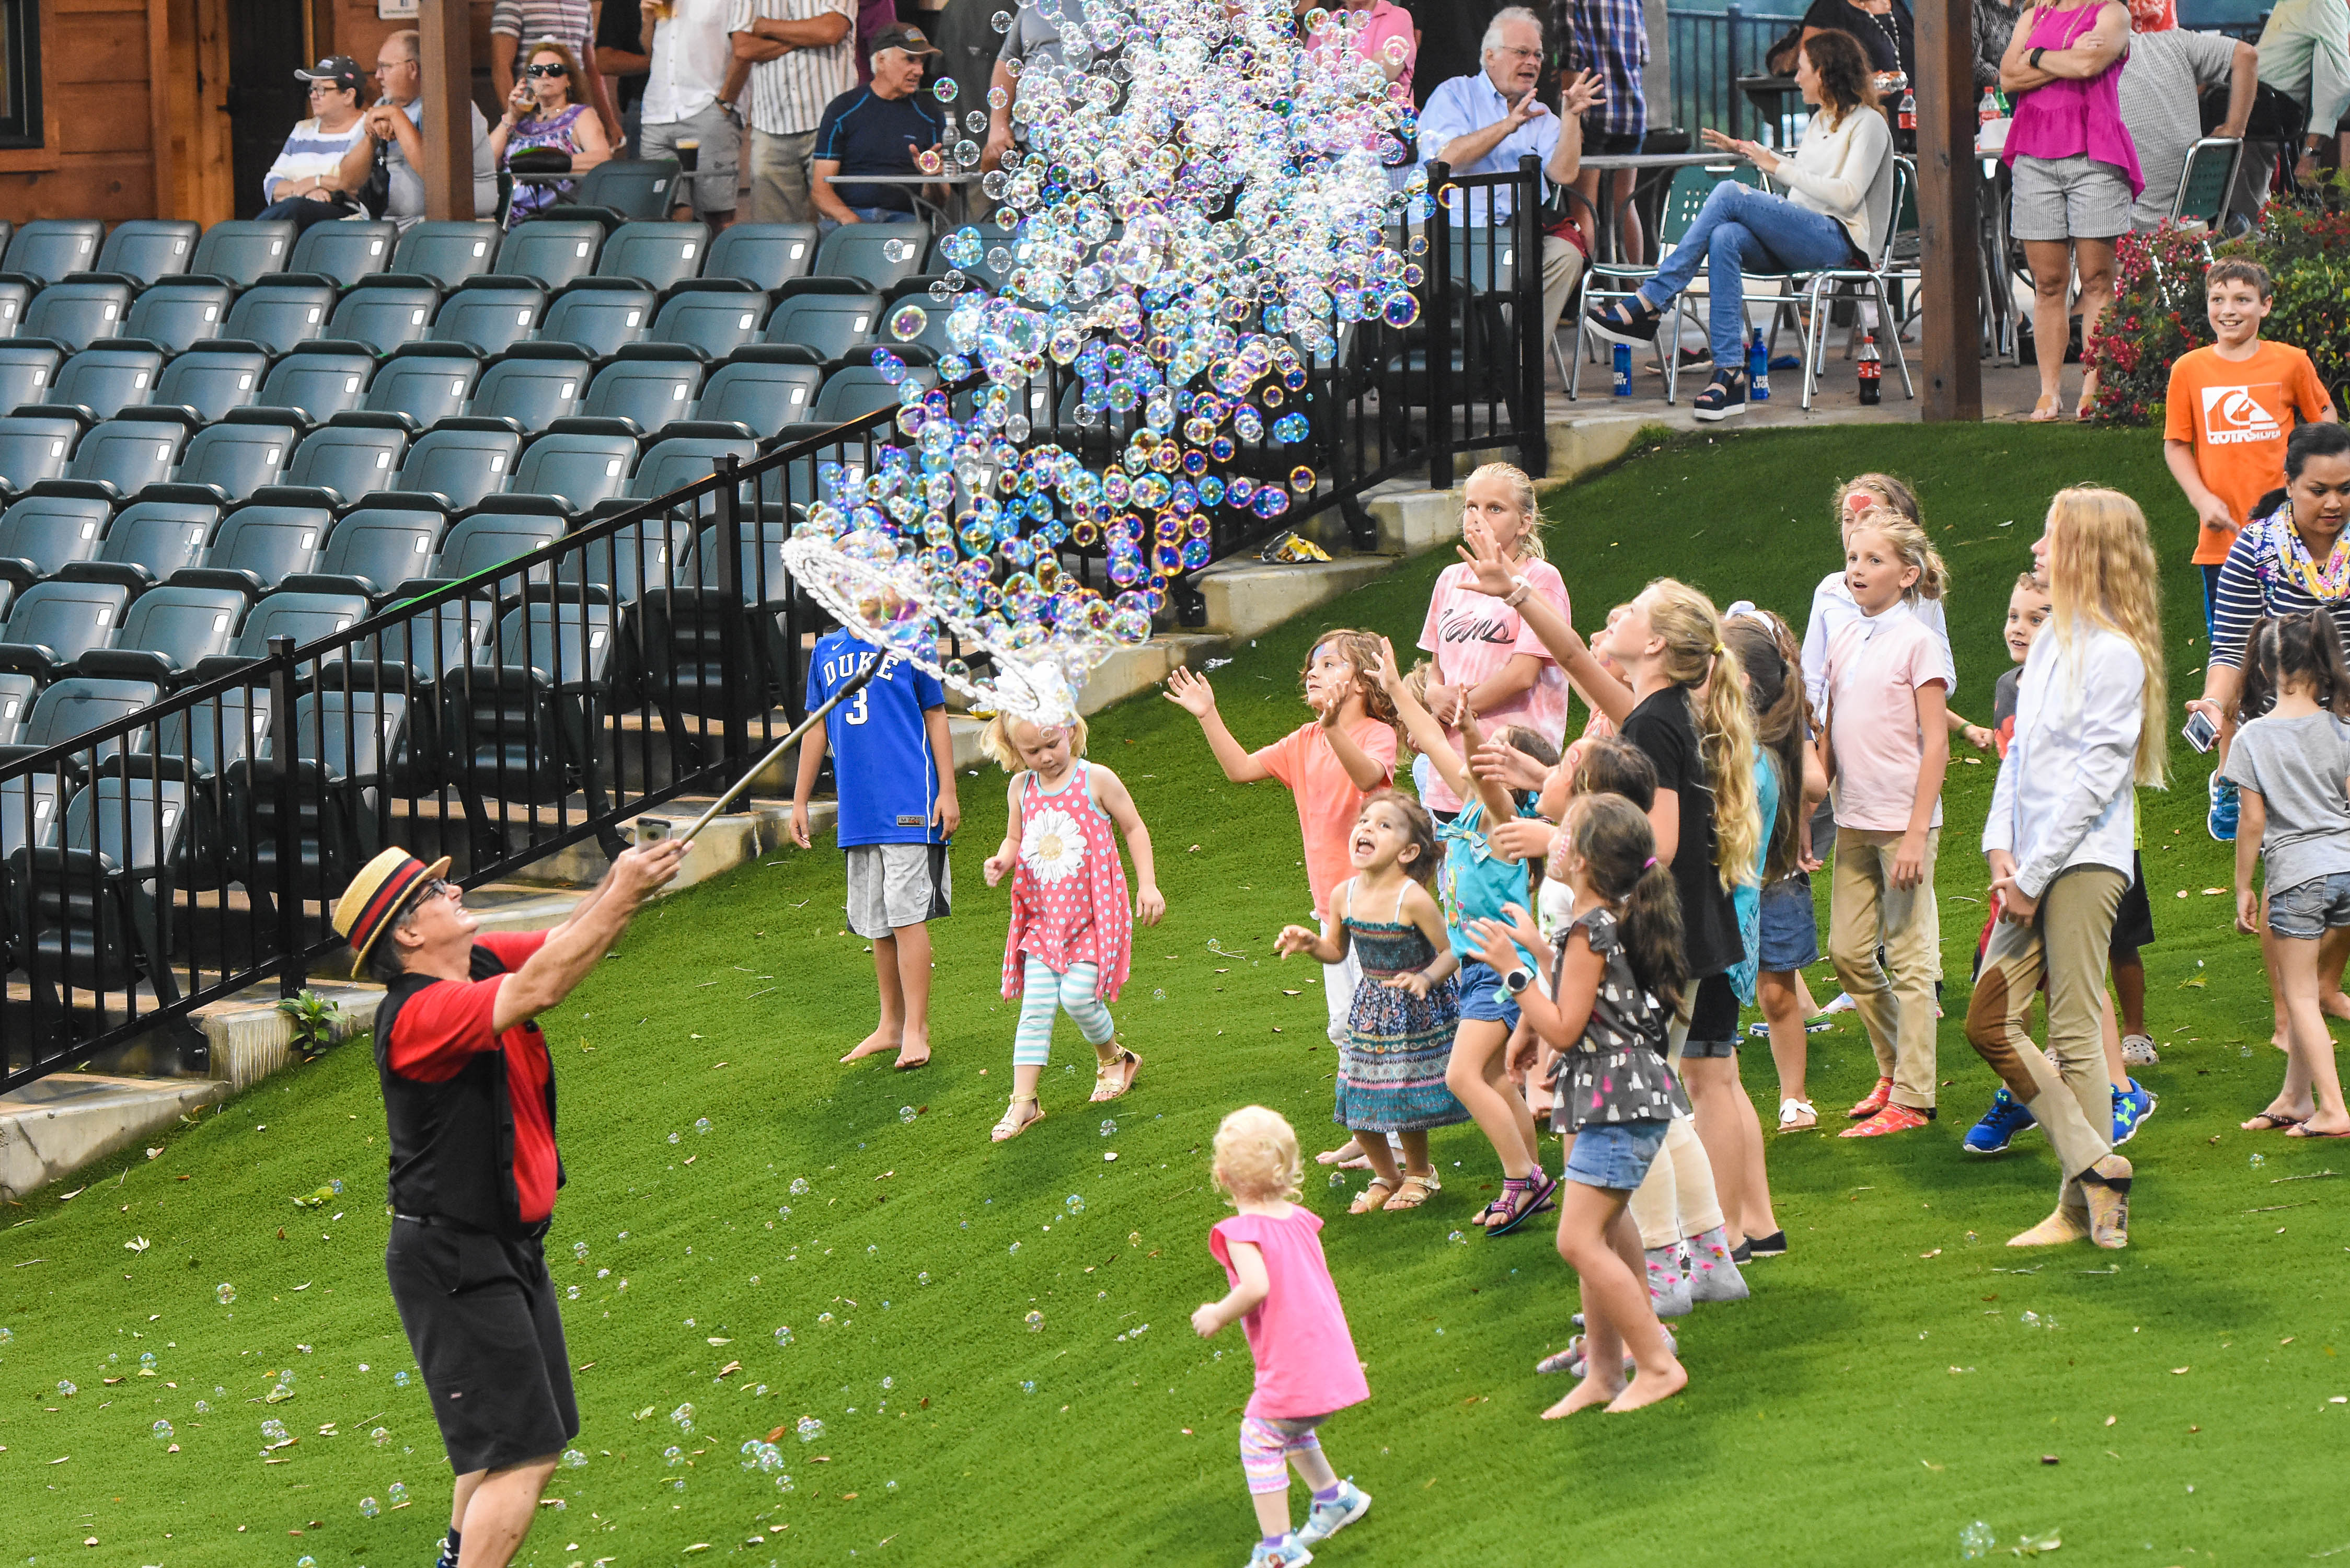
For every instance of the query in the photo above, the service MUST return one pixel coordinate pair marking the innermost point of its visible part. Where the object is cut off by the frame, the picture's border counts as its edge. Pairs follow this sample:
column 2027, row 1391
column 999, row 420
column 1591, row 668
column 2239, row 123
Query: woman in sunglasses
column 544, row 111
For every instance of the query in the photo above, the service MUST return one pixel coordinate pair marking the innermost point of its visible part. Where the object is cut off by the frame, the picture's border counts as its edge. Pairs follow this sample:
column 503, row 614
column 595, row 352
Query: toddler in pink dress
column 1305, row 1363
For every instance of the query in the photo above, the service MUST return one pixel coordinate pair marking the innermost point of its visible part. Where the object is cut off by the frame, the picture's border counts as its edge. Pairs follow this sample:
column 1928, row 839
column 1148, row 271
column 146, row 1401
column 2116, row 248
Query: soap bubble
column 306, row 1561
column 909, row 321
column 400, row 1380
column 1028, row 1387
column 799, row 1186
column 675, row 1137
column 809, row 1428
column 944, row 90
column 369, row 1507
column 1015, row 1246
column 906, row 1114
column 1001, row 21
column 784, row 1483
column 4, row 1336
column 702, row 1125
column 380, row 1436
column 2029, row 1320
column 203, row 1407
column 66, row 1388
column 673, row 1455
column 574, row 1459
column 579, row 1251
column 1108, row 1128
column 2258, row 1161
column 146, row 1360
column 225, row 1293
column 683, row 1416
column 1035, row 1322
column 162, row 1431
column 1977, row 1541
column 783, row 1336
column 1075, row 1203
column 273, row 1429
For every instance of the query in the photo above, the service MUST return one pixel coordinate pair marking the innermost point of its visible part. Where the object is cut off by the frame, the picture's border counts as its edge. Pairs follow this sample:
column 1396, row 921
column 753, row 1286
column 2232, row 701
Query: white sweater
column 1845, row 172
column 2064, row 796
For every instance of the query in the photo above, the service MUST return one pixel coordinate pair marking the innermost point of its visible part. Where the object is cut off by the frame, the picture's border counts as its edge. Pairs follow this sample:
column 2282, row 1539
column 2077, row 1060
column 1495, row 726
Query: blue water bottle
column 1758, row 370
column 1623, row 370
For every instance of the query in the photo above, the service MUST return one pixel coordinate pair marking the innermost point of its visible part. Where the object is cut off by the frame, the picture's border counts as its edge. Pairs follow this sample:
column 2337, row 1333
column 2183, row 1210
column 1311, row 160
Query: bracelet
column 1519, row 589
column 2032, row 60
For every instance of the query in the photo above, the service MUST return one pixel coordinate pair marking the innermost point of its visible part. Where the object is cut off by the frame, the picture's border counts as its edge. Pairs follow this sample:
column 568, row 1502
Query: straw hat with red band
column 372, row 903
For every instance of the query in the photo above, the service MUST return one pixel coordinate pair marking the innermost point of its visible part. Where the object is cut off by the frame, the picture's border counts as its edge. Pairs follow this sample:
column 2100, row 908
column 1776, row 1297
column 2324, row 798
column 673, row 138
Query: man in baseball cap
column 883, row 128
column 469, row 1102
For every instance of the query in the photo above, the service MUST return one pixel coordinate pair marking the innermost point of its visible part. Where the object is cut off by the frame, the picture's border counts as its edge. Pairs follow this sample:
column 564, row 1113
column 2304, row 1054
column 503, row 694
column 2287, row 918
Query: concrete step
column 54, row 1125
column 1246, row 598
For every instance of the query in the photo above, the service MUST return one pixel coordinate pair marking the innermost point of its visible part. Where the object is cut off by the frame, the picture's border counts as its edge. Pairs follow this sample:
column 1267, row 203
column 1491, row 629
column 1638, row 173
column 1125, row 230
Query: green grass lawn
column 1879, row 1392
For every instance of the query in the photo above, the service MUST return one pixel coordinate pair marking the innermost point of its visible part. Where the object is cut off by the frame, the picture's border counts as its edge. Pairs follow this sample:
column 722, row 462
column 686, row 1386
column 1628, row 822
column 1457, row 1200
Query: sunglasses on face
column 548, row 71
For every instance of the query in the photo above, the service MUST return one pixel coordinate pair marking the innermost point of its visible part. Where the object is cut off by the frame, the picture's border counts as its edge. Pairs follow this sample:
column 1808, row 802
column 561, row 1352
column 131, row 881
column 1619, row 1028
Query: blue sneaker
column 2131, row 1108
column 1999, row 1126
column 1328, row 1518
column 2222, row 818
column 1289, row 1551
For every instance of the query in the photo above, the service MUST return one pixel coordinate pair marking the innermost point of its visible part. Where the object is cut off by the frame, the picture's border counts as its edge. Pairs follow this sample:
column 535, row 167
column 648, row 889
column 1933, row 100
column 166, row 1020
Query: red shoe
column 1891, row 1119
column 1877, row 1099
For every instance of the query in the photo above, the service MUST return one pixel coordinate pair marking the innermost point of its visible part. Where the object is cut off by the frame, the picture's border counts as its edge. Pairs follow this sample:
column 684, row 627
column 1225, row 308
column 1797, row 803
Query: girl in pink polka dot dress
column 1072, row 933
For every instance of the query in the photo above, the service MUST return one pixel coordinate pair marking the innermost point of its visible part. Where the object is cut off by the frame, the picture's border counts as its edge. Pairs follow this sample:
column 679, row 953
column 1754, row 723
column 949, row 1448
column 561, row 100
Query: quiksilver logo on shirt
column 2235, row 416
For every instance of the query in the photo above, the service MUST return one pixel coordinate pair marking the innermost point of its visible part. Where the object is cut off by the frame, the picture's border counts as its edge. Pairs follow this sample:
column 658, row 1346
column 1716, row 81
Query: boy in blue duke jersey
column 893, row 769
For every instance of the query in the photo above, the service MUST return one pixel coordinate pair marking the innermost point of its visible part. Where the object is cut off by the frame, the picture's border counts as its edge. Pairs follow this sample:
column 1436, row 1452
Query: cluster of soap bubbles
column 809, row 1428
column 683, row 1416
column 273, row 1430
column 1199, row 207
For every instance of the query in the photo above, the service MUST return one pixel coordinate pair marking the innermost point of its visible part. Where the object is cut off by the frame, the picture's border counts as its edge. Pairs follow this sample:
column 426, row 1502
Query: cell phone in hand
column 2200, row 733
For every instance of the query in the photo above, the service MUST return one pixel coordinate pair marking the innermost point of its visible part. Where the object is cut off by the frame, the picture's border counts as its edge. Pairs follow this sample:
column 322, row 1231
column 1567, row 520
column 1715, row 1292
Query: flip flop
column 2047, row 411
column 2302, row 1130
column 2276, row 1123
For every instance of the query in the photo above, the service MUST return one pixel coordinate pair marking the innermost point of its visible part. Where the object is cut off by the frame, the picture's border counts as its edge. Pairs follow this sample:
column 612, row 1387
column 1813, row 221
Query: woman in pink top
column 2075, row 170
column 1305, row 1363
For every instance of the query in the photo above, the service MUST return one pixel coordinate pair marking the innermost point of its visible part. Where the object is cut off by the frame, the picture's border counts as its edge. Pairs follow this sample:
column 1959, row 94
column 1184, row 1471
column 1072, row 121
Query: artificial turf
column 1884, row 1386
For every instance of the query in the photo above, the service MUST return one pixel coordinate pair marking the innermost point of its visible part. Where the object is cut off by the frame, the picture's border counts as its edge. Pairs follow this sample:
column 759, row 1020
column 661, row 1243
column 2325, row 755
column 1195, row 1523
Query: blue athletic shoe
column 1328, row 1518
column 1289, row 1551
column 2131, row 1108
column 1999, row 1126
column 2221, row 822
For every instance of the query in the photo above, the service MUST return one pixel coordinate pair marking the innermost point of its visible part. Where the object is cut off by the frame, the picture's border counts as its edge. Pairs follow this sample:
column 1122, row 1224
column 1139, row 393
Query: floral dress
column 1391, row 1069
column 1068, row 887
column 532, row 199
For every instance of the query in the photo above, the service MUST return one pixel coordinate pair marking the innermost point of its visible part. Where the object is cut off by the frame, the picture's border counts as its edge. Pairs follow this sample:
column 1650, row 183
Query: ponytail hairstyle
column 1889, row 492
column 1771, row 657
column 2256, row 693
column 1521, row 488
column 1419, row 829
column 1610, row 764
column 1611, row 838
column 995, row 741
column 1911, row 547
column 2304, row 647
column 1695, row 655
column 2101, row 570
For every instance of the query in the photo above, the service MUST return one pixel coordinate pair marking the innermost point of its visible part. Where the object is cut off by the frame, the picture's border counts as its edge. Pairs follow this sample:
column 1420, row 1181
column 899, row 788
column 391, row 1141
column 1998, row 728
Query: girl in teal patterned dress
column 1399, row 1030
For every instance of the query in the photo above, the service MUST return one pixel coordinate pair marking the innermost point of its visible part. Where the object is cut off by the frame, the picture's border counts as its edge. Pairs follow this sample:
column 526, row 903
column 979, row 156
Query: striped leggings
column 1268, row 1445
column 1042, row 994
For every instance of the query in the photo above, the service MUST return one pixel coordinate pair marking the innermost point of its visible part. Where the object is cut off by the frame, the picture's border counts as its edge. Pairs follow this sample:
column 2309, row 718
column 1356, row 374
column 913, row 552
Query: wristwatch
column 2032, row 60
column 1517, row 979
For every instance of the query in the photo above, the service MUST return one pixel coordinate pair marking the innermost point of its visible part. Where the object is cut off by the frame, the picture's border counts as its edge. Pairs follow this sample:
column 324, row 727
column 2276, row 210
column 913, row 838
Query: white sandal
column 1797, row 1116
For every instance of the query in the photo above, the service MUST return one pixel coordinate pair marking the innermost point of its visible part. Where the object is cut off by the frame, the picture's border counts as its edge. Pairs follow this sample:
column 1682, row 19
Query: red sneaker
column 1876, row 1100
column 1891, row 1119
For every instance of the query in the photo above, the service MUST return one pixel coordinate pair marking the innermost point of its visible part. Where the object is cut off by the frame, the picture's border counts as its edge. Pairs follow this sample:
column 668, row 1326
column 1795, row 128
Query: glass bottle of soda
column 1871, row 366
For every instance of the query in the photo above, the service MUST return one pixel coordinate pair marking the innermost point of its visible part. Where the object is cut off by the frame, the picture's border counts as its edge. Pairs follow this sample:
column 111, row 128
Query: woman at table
column 543, row 112
column 2074, row 170
column 1840, row 200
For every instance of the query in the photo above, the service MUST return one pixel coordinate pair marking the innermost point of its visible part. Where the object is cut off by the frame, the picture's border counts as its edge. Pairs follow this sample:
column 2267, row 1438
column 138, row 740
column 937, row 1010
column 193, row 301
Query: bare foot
column 873, row 1044
column 915, row 1053
column 2050, row 407
column 1594, row 1390
column 2335, row 1004
column 1649, row 1387
column 1346, row 1151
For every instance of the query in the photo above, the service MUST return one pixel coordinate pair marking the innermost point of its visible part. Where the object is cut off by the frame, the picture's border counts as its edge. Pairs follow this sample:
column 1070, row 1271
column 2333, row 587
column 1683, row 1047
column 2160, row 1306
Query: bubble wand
column 815, row 716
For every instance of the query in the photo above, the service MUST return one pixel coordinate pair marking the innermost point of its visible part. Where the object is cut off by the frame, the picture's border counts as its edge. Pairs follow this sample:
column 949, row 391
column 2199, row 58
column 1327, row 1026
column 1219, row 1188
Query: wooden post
column 1947, row 182
column 446, row 50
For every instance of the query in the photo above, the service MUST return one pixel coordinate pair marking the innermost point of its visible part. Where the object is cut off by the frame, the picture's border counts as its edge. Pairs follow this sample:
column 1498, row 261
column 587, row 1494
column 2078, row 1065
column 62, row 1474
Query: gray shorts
column 896, row 885
column 710, row 189
column 2308, row 911
column 2074, row 198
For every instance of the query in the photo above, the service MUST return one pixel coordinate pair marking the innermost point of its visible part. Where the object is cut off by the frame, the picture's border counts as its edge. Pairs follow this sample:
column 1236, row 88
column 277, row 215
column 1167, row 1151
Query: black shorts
column 1713, row 1018
column 2133, row 917
column 481, row 1317
column 1610, row 144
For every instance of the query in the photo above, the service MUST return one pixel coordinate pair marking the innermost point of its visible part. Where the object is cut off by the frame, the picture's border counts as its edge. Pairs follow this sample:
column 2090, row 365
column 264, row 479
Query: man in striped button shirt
column 1609, row 39
column 802, row 55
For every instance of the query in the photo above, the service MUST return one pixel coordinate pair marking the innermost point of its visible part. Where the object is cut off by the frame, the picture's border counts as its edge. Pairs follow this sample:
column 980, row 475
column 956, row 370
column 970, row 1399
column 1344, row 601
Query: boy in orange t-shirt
column 2229, row 408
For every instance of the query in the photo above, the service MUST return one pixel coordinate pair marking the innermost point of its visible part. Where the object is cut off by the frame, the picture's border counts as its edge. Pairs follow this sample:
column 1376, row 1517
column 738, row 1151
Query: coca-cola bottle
column 1871, row 367
column 1908, row 113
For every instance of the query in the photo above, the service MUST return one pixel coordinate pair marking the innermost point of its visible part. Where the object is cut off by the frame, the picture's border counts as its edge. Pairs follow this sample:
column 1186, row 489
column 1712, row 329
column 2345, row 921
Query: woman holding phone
column 542, row 112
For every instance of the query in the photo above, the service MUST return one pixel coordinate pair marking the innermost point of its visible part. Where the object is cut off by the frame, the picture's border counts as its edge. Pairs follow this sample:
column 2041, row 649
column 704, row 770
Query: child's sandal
column 1374, row 1197
column 1008, row 1129
column 1415, row 1191
column 1126, row 1064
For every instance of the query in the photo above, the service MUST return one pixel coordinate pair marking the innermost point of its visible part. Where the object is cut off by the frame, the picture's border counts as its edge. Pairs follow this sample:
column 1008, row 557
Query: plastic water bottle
column 1871, row 367
column 1758, row 369
column 1623, row 358
column 1909, row 116
column 1987, row 110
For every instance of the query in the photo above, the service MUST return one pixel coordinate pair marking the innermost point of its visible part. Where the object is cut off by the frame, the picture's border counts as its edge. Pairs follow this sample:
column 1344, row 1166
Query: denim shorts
column 2308, row 911
column 1482, row 995
column 1615, row 1155
column 1791, row 926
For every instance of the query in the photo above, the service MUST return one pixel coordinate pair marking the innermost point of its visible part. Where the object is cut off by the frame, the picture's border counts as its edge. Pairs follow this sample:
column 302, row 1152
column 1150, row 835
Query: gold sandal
column 1006, row 1129
column 1364, row 1202
column 1105, row 1066
column 1415, row 1191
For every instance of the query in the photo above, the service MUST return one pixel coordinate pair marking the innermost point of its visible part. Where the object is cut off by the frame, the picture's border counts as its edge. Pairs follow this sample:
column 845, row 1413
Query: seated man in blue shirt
column 878, row 129
column 1484, row 124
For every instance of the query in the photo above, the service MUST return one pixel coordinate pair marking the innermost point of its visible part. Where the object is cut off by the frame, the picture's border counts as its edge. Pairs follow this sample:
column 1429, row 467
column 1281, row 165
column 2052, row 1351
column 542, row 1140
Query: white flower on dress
column 1052, row 846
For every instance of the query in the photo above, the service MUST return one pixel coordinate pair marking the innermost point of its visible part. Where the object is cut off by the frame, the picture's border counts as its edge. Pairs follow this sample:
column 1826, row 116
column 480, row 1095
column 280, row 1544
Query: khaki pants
column 1562, row 267
column 1867, row 911
column 1677, row 1200
column 779, row 178
column 2067, row 941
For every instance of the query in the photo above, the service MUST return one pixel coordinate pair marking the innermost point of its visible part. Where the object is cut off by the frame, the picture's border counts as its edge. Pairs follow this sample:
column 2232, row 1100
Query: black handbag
column 374, row 194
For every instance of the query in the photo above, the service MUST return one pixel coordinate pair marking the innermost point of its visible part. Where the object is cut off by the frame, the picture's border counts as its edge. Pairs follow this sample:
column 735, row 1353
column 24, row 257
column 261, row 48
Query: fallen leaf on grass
column 2181, row 1371
column 1935, row 1253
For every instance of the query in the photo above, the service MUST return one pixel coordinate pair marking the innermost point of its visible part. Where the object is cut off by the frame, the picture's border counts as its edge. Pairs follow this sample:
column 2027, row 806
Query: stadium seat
column 794, row 485
column 46, row 249
column 179, row 313
column 76, row 314
column 26, row 369
column 318, row 381
column 144, row 251
column 653, row 552
column 28, row 803
column 599, row 315
column 683, row 630
column 527, row 724
column 241, row 454
column 59, row 521
column 984, row 272
column 385, row 312
column 167, row 633
column 347, row 250
column 349, row 455
column 161, row 531
column 447, row 252
column 716, row 317
column 17, row 692
column 34, row 447
column 15, row 294
column 348, row 746
column 93, row 911
column 651, row 384
column 282, row 312
column 764, row 255
column 243, row 251
column 623, row 189
column 54, row 623
column 551, row 252
column 490, row 313
column 463, row 460
column 211, row 734
column 258, row 546
column 426, row 381
column 489, row 539
column 133, row 450
column 687, row 452
column 579, row 462
column 930, row 335
column 853, row 390
column 211, row 379
column 101, row 383
column 875, row 255
column 305, row 617
column 534, row 384
column 657, row 255
column 377, row 546
column 828, row 315
column 765, row 386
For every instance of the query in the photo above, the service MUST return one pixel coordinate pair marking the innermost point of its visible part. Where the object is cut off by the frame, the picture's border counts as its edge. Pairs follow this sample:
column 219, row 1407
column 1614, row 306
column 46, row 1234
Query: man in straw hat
column 469, row 1098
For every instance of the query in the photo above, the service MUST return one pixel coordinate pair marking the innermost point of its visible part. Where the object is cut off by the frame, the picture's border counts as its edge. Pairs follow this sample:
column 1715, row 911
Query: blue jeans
column 825, row 225
column 1741, row 230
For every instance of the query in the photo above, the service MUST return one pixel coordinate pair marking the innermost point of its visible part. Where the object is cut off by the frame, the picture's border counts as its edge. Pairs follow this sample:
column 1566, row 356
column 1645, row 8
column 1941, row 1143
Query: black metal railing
column 1710, row 51
column 1486, row 332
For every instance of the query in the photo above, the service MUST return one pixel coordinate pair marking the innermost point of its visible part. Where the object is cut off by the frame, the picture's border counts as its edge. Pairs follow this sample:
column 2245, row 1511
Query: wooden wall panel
column 108, row 186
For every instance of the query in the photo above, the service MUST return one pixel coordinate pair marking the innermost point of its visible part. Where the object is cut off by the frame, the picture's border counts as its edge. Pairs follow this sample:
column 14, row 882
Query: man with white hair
column 1483, row 123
